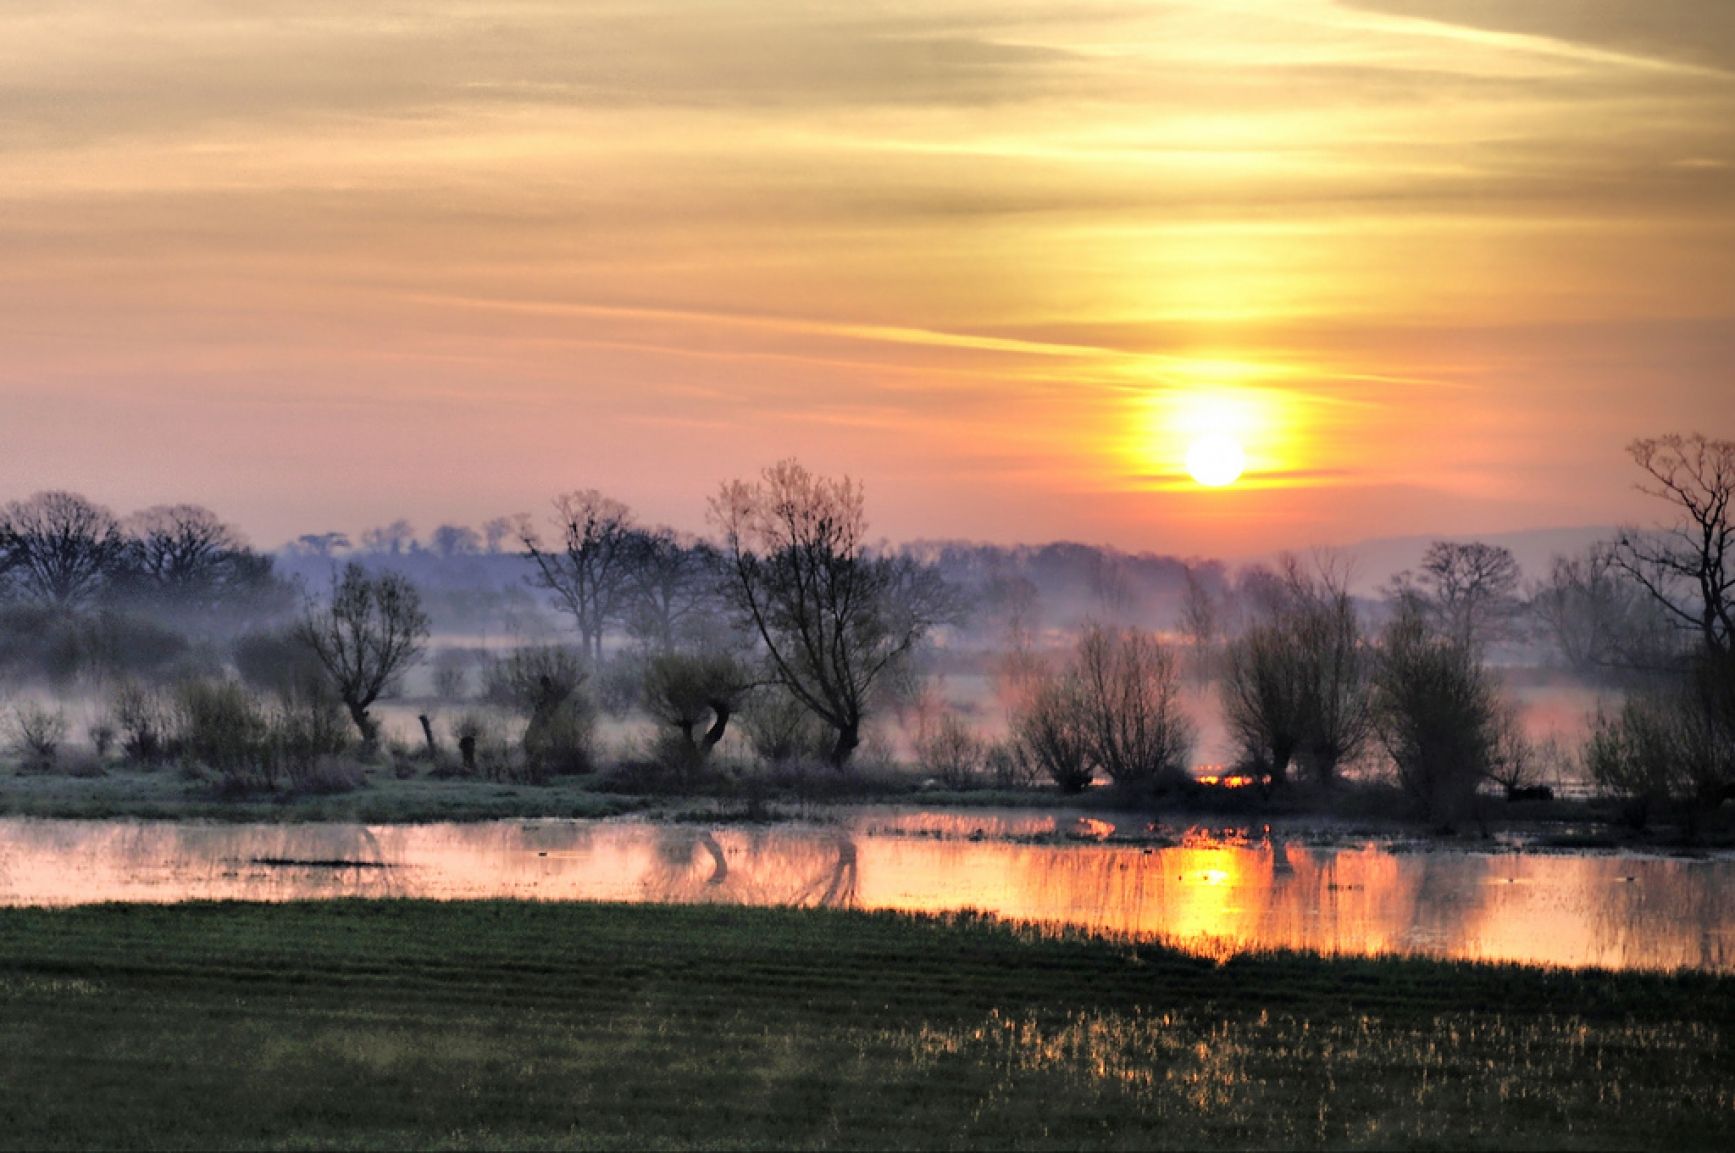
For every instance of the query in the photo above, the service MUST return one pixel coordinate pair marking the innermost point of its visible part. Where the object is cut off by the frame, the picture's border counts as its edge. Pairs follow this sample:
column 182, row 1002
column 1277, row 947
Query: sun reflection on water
column 1213, row 890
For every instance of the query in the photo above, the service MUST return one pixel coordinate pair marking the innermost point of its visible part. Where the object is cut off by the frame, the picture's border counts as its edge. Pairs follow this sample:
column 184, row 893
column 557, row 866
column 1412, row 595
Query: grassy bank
column 167, row 794
column 498, row 1025
column 124, row 791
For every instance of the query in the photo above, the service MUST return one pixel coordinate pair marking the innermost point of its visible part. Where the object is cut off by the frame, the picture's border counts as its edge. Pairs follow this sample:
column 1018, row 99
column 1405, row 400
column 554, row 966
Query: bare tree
column 1265, row 698
column 322, row 544
column 185, row 559
column 450, row 540
column 1689, row 567
column 1595, row 615
column 834, row 619
column 497, row 532
column 1295, row 683
column 1338, row 666
column 1469, row 591
column 180, row 544
column 1201, row 623
column 1437, row 716
column 1674, row 741
column 389, row 539
column 1051, row 730
column 372, row 630
column 1129, row 690
column 670, row 583
column 588, row 570
column 59, row 549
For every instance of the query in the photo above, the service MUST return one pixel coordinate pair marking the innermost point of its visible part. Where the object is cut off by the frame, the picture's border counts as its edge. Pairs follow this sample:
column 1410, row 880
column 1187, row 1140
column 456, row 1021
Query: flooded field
column 1215, row 890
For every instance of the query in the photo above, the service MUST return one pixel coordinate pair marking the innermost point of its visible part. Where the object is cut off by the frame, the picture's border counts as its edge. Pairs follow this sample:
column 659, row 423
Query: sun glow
column 1215, row 434
column 1215, row 460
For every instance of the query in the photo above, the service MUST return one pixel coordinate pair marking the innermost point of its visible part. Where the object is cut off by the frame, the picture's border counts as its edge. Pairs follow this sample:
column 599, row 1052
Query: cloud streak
column 1470, row 246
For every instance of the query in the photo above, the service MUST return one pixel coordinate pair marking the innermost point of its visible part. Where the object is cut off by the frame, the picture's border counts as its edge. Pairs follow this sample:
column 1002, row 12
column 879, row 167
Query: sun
column 1215, row 460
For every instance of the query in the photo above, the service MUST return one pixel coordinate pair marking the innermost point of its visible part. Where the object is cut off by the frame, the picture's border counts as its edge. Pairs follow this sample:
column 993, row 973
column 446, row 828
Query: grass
column 123, row 791
column 497, row 1025
column 165, row 794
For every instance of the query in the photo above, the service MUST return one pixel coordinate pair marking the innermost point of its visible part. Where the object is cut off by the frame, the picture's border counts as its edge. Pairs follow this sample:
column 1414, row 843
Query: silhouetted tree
column 1051, row 730
column 184, row 560
column 450, row 540
column 1468, row 590
column 1596, row 616
column 588, row 570
column 57, row 549
column 497, row 532
column 695, row 694
column 1265, row 697
column 1295, row 686
column 1436, row 714
column 1688, row 568
column 389, row 539
column 371, row 631
column 1129, row 695
column 1674, row 740
column 322, row 544
column 670, row 586
column 834, row 619
column 1201, row 623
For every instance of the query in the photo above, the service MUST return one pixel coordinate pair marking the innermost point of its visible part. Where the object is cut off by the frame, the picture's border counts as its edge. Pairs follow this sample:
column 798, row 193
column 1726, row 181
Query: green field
column 383, row 1024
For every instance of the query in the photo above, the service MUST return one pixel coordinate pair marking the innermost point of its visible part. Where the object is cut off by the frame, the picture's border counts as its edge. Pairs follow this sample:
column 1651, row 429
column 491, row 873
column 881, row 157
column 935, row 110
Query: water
column 1216, row 891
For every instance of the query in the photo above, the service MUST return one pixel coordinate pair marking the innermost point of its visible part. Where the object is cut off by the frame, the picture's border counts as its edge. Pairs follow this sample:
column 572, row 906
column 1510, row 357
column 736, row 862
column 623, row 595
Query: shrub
column 619, row 684
column 1050, row 734
column 949, row 750
column 694, row 694
column 224, row 728
column 482, row 745
column 115, row 644
column 1437, row 716
column 145, row 721
column 545, row 684
column 1676, row 742
column 37, row 734
column 524, row 677
column 1514, row 761
column 309, row 730
column 277, row 662
column 101, row 733
column 559, row 739
column 1007, row 766
column 82, row 765
column 452, row 674
column 781, row 730
column 327, row 775
column 61, row 648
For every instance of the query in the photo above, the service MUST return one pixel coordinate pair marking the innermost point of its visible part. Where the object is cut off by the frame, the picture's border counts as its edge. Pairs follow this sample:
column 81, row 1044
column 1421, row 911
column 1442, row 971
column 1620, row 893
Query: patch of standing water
column 1213, row 889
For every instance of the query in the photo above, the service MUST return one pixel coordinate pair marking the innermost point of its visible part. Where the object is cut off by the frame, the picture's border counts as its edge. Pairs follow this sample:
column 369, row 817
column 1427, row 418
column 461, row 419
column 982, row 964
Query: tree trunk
column 848, row 737
column 720, row 712
column 428, row 732
column 369, row 728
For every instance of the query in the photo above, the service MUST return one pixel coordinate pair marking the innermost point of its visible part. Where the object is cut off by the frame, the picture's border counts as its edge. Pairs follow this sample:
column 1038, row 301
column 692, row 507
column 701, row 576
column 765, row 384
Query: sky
column 1431, row 264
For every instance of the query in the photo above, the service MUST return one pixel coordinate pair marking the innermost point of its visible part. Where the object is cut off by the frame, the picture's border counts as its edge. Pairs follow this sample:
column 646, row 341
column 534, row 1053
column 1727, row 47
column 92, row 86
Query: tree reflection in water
column 1216, row 890
column 692, row 866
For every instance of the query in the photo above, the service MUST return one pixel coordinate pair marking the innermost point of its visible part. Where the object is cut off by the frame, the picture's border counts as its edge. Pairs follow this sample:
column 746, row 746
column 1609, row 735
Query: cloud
column 1697, row 32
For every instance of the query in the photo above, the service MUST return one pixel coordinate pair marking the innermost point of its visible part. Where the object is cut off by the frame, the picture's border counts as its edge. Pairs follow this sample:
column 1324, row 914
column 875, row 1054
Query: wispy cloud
column 668, row 239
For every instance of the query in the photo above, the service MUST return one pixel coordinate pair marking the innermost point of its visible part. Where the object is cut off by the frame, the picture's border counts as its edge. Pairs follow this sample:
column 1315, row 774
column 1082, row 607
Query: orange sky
column 324, row 264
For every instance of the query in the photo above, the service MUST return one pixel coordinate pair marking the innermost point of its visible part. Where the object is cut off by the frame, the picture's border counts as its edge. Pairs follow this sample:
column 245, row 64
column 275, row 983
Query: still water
column 1215, row 890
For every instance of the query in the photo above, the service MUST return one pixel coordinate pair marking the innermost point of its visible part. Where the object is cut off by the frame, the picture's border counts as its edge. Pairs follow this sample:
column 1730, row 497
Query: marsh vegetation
column 371, row 1025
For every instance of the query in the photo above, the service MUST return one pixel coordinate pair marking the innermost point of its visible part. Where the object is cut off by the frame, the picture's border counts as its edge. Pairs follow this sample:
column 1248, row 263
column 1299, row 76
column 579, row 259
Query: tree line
column 788, row 618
